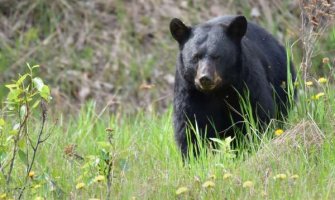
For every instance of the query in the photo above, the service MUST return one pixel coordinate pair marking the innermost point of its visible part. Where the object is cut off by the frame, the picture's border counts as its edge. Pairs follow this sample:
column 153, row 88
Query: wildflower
column 31, row 174
column 248, row 184
column 181, row 190
column 37, row 186
column 317, row 96
column 309, row 83
column 280, row 176
column 278, row 132
column 80, row 186
column 99, row 178
column 294, row 177
column 39, row 198
column 208, row 184
column 3, row 196
column 227, row 176
column 322, row 80
column 325, row 60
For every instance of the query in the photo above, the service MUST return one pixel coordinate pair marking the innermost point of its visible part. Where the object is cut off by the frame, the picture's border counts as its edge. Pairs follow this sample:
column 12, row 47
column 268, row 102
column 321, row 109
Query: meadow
column 85, row 125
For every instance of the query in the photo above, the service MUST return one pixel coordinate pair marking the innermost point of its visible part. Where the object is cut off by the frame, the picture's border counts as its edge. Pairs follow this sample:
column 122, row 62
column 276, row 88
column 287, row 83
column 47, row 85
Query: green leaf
column 23, row 111
column 10, row 86
column 36, row 104
column 3, row 154
column 2, row 122
column 23, row 156
column 35, row 66
column 45, row 93
column 38, row 83
column 21, row 79
column 14, row 94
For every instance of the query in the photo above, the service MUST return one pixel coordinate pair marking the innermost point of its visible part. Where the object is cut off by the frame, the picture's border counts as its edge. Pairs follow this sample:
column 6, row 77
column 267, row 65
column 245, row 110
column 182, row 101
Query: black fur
column 245, row 57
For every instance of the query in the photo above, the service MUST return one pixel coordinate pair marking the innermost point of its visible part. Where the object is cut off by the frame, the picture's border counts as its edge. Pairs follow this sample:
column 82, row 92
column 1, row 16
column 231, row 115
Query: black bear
column 219, row 61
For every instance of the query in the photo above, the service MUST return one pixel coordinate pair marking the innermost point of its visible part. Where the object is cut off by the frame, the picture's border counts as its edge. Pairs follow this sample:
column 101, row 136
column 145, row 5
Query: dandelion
column 31, row 174
column 294, row 177
column 80, row 186
column 208, row 184
column 3, row 196
column 322, row 80
column 280, row 177
column 278, row 132
column 325, row 60
column 309, row 83
column 248, row 184
column 317, row 96
column 227, row 176
column 99, row 178
column 181, row 190
column 37, row 186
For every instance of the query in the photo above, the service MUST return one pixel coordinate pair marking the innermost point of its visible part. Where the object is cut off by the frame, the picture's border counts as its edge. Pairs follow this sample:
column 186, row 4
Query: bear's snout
column 207, row 78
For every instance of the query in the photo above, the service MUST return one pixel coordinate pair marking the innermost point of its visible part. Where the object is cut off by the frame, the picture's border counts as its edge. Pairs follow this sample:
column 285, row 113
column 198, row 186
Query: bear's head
column 210, row 52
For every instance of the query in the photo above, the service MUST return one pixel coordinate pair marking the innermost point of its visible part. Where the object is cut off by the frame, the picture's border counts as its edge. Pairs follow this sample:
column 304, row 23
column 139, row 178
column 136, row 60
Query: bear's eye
column 215, row 57
column 196, row 58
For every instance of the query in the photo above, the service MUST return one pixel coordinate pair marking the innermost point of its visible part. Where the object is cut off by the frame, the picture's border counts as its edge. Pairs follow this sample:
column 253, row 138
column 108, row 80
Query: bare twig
column 315, row 19
column 15, row 147
column 35, row 148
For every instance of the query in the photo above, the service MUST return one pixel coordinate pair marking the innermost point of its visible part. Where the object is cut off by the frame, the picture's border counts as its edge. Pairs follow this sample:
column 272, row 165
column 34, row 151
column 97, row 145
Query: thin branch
column 35, row 148
column 15, row 148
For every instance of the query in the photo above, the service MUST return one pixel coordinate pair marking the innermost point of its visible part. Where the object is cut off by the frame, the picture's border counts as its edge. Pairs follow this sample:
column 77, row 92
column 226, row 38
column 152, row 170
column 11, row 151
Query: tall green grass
column 148, row 165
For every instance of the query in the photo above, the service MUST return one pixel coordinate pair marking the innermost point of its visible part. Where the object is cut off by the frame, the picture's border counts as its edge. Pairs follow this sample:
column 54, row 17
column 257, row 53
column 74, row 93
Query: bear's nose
column 206, row 81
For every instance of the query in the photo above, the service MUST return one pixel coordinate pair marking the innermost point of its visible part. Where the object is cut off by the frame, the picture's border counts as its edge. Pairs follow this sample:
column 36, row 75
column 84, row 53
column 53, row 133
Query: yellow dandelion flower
column 248, row 184
column 80, row 186
column 309, row 83
column 37, row 186
column 325, row 60
column 181, row 190
column 278, row 132
column 319, row 95
column 3, row 196
column 99, row 178
column 322, row 80
column 39, row 198
column 227, row 176
column 280, row 176
column 295, row 176
column 208, row 184
column 31, row 174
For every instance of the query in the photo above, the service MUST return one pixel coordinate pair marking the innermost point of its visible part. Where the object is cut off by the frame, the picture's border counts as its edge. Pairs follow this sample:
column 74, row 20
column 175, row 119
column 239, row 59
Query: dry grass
column 304, row 138
column 119, row 53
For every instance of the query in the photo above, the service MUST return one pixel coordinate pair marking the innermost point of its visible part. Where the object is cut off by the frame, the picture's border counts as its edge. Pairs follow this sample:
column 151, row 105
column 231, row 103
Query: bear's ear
column 179, row 30
column 237, row 28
